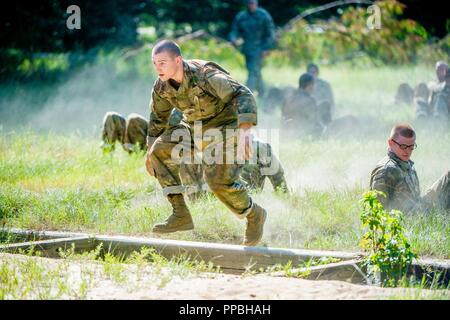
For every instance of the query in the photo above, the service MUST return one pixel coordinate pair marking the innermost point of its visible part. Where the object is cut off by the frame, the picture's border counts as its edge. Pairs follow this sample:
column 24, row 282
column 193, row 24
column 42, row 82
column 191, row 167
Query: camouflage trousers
column 130, row 132
column 253, row 173
column 223, row 179
column 438, row 195
column 254, row 63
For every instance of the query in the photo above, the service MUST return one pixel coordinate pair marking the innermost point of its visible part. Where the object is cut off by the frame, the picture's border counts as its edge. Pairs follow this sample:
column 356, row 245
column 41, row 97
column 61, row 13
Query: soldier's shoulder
column 159, row 86
column 206, row 69
column 436, row 86
column 323, row 82
column 264, row 13
column 241, row 15
column 386, row 166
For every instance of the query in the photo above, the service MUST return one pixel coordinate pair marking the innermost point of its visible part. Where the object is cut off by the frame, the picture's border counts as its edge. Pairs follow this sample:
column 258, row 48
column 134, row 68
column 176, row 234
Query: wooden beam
column 348, row 271
column 232, row 258
column 50, row 248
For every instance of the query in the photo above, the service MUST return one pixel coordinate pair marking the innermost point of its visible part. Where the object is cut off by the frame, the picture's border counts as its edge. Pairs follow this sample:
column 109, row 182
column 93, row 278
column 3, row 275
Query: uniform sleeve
column 440, row 107
column 233, row 93
column 160, row 110
column 271, row 167
column 385, row 180
column 330, row 95
column 269, row 33
column 234, row 33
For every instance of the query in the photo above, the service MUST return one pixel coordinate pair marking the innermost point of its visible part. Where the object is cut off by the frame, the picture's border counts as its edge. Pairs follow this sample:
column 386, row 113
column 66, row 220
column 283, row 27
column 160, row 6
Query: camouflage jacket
column 435, row 87
column 257, row 30
column 398, row 180
column 207, row 94
column 301, row 114
column 441, row 107
column 323, row 92
column 267, row 166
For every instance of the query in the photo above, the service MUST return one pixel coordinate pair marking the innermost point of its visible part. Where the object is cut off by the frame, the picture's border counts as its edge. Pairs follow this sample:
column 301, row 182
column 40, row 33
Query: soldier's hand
column 148, row 164
column 245, row 142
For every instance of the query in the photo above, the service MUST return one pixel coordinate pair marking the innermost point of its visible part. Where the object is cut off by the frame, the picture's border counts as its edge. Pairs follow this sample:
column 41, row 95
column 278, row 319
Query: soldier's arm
column 269, row 33
column 385, row 180
column 160, row 110
column 235, row 32
column 233, row 93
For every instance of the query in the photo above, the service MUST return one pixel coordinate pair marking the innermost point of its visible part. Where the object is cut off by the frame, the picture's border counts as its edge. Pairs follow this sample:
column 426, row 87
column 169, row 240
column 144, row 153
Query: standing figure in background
column 255, row 26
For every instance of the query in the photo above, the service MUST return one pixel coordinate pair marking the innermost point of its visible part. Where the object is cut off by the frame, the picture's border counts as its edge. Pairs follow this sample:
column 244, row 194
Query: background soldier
column 437, row 85
column 441, row 107
column 396, row 176
column 255, row 26
column 255, row 174
column 322, row 93
column 300, row 113
column 208, row 96
column 130, row 132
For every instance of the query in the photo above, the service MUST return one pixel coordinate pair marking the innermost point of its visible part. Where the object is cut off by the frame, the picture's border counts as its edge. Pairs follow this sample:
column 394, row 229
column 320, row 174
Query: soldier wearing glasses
column 396, row 176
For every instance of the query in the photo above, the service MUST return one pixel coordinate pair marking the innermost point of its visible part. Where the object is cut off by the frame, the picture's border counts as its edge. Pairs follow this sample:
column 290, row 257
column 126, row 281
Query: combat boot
column 179, row 220
column 255, row 225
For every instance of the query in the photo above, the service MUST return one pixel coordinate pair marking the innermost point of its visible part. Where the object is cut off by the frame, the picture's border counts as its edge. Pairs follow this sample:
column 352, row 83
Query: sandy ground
column 148, row 282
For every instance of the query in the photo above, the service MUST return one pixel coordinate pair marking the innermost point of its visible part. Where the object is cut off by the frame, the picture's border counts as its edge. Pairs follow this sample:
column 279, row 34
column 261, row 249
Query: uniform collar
column 405, row 165
column 187, row 75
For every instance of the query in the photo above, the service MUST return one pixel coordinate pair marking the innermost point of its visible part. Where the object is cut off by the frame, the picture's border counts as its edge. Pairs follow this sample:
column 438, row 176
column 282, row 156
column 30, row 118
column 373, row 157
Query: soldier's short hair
column 441, row 63
column 305, row 80
column 311, row 67
column 167, row 46
column 404, row 130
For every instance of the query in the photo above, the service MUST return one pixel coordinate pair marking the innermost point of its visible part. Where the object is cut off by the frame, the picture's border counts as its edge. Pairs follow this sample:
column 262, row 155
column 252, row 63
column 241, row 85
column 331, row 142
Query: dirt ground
column 132, row 282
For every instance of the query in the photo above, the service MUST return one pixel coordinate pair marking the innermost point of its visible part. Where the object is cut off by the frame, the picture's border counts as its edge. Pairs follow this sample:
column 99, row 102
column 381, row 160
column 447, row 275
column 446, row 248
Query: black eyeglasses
column 405, row 146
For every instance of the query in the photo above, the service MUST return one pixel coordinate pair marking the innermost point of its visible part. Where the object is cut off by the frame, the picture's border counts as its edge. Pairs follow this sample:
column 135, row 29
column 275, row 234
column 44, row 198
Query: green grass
column 61, row 181
column 75, row 275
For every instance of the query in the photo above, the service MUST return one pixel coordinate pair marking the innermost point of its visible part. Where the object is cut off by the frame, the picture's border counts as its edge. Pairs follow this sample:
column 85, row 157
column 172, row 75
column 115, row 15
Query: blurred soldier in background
column 405, row 94
column 131, row 133
column 322, row 93
column 300, row 113
column 255, row 26
column 437, row 85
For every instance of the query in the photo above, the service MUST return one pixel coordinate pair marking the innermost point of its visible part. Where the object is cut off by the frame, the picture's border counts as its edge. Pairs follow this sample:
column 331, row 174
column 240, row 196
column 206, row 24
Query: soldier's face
column 252, row 6
column 166, row 65
column 440, row 72
column 395, row 146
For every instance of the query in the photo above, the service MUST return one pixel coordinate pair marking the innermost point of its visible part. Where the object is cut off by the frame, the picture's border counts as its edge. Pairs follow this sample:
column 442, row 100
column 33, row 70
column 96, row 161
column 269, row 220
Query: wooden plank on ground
column 227, row 256
column 50, row 248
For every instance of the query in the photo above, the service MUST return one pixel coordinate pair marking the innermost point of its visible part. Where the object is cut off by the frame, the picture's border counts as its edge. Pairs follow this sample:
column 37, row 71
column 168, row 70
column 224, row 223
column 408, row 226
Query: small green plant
column 389, row 251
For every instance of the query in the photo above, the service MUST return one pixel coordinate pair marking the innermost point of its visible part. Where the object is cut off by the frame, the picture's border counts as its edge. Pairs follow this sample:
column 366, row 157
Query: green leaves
column 389, row 251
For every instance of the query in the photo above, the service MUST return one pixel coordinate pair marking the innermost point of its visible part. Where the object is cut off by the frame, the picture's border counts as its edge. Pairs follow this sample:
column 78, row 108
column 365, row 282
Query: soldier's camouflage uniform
column 254, row 175
column 435, row 87
column 207, row 95
column 257, row 30
column 323, row 94
column 130, row 132
column 441, row 107
column 301, row 115
column 398, row 180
